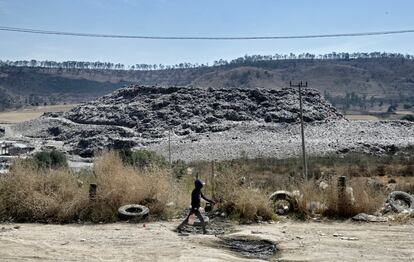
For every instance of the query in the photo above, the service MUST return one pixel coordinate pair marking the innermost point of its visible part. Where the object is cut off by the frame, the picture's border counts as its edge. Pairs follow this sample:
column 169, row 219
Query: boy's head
column 198, row 183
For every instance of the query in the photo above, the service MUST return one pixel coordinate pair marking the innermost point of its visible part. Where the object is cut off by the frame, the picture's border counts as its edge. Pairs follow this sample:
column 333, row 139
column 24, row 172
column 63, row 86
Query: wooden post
column 92, row 191
column 342, row 198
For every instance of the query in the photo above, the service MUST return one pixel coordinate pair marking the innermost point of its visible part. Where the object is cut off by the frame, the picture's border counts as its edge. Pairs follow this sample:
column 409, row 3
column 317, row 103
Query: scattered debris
column 197, row 221
column 350, row 238
column 369, row 218
column 214, row 227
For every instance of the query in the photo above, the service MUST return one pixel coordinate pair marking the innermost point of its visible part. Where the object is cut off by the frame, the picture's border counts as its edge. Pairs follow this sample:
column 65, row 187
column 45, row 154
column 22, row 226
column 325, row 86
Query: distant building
column 4, row 149
column 14, row 149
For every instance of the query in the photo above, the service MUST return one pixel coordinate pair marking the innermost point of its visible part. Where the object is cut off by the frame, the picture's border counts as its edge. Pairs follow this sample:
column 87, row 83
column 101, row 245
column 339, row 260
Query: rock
column 2, row 131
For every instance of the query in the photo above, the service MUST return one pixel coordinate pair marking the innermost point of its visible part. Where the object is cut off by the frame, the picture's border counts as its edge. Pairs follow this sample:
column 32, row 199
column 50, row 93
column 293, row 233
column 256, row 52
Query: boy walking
column 196, row 196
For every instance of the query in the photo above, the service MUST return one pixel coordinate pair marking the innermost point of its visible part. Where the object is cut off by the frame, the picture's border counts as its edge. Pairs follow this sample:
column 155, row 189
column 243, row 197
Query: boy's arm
column 206, row 199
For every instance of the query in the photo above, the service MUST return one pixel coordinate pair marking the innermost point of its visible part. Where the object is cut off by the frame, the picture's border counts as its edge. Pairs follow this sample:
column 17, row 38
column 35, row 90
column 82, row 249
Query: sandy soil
column 157, row 242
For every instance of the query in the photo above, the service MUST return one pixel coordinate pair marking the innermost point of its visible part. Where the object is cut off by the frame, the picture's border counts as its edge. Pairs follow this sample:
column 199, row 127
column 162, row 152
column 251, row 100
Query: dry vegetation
column 241, row 188
column 31, row 194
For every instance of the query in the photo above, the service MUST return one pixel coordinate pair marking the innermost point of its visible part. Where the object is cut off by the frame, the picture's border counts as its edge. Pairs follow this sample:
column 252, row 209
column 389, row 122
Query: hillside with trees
column 360, row 81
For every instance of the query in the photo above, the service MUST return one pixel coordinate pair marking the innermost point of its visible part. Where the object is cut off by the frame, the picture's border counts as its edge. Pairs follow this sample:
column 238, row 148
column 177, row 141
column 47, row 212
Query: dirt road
column 156, row 241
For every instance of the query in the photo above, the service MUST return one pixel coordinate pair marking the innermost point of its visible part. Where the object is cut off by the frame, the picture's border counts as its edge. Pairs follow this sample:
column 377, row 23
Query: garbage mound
column 151, row 111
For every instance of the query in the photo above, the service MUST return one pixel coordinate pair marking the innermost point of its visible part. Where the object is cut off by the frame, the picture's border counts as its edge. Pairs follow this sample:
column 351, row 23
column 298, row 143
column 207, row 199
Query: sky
column 199, row 18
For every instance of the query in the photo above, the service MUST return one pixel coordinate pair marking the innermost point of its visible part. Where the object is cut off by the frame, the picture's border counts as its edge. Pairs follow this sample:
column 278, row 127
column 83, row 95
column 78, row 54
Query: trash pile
column 398, row 205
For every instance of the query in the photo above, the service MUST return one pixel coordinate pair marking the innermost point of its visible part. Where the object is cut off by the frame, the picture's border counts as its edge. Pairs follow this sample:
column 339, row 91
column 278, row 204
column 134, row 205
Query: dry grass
column 30, row 194
column 118, row 185
column 330, row 202
column 29, row 113
column 241, row 201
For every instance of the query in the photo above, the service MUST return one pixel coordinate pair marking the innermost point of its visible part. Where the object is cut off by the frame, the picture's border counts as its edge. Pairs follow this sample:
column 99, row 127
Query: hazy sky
column 199, row 18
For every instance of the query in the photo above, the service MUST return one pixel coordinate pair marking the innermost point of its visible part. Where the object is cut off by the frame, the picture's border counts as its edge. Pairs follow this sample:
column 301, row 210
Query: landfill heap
column 213, row 123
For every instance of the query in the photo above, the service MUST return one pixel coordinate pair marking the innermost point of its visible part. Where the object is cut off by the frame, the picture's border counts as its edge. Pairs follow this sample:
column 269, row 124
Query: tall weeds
column 28, row 193
column 31, row 194
column 118, row 185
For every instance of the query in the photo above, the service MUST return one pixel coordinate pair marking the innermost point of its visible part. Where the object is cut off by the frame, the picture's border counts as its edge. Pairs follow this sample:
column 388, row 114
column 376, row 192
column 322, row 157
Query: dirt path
column 156, row 242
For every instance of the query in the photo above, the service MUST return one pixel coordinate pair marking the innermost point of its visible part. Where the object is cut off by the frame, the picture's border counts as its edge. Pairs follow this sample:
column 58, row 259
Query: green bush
column 179, row 169
column 142, row 158
column 408, row 118
column 50, row 159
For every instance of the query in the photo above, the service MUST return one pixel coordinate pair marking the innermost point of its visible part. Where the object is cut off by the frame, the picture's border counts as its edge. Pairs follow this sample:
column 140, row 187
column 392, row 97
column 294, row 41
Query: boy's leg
column 185, row 220
column 200, row 217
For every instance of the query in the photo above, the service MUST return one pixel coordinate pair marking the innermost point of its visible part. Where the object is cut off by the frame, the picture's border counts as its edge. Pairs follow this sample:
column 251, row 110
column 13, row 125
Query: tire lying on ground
column 133, row 212
column 283, row 195
column 395, row 197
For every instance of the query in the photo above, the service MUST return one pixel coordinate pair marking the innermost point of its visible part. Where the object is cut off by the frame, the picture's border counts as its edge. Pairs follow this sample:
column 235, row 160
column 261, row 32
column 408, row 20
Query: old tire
column 283, row 195
column 133, row 212
column 393, row 197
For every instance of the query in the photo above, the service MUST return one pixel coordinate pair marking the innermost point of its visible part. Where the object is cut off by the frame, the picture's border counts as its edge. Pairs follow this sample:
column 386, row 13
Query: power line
column 46, row 32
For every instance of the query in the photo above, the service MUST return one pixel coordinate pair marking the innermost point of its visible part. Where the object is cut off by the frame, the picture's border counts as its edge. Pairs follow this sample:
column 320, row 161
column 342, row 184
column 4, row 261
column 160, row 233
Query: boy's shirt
column 196, row 196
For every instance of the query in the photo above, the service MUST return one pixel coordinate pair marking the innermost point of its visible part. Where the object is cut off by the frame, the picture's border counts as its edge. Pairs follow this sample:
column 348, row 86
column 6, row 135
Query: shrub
column 50, row 159
column 119, row 184
column 408, row 118
column 327, row 202
column 142, row 158
column 238, row 200
column 28, row 193
column 32, row 194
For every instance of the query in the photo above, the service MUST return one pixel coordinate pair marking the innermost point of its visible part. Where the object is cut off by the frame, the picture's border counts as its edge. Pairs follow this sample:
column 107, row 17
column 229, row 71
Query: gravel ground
column 282, row 141
column 251, row 139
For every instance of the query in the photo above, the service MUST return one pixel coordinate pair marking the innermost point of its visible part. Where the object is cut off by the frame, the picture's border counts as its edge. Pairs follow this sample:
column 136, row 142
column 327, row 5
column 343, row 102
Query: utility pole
column 212, row 178
column 169, row 148
column 305, row 167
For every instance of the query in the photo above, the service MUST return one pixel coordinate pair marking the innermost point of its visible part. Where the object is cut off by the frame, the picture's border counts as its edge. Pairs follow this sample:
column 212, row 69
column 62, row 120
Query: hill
column 347, row 83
